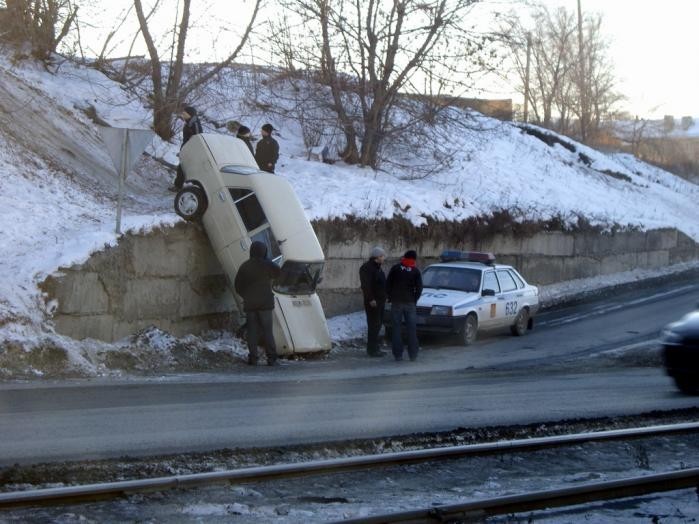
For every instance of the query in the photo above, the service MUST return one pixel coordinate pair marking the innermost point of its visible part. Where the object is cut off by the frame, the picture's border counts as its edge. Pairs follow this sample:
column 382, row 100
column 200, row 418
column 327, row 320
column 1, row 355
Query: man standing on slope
column 192, row 126
column 373, row 282
column 254, row 284
column 404, row 287
column 267, row 150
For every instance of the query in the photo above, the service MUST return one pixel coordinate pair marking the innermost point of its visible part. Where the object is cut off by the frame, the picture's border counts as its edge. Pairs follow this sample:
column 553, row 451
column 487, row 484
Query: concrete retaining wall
column 171, row 278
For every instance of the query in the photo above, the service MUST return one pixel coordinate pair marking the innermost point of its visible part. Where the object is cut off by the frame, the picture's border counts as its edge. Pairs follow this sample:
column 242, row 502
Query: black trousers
column 374, row 320
column 260, row 324
column 179, row 179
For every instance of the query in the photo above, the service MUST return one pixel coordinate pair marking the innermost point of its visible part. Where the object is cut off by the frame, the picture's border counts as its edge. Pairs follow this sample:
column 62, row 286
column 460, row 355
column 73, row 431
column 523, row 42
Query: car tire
column 519, row 328
column 190, row 203
column 687, row 385
column 469, row 331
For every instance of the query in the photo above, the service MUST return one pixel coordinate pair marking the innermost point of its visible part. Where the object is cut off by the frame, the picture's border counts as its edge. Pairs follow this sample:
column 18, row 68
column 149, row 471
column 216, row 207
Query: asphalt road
column 578, row 362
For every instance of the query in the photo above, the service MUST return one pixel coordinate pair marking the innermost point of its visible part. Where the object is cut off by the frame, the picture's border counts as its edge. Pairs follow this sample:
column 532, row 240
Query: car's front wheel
column 519, row 328
column 190, row 203
column 469, row 331
column 687, row 385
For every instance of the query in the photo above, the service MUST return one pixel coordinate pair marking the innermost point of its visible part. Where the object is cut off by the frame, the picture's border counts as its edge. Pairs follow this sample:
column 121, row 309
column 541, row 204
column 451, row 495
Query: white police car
column 467, row 292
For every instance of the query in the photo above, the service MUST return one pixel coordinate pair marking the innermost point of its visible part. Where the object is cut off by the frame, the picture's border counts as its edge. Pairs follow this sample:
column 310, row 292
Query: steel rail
column 541, row 500
column 317, row 467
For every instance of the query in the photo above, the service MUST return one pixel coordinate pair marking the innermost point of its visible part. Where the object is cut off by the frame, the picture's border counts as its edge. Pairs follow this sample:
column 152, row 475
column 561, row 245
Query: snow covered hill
column 58, row 187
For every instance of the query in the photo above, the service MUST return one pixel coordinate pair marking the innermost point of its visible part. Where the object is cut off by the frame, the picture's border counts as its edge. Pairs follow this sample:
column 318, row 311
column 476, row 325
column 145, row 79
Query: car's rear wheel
column 469, row 331
column 190, row 203
column 519, row 328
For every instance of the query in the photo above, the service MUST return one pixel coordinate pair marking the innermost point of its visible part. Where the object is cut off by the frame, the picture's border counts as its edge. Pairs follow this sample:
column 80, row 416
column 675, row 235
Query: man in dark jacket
column 373, row 282
column 192, row 126
column 244, row 135
column 254, row 284
column 404, row 287
column 267, row 151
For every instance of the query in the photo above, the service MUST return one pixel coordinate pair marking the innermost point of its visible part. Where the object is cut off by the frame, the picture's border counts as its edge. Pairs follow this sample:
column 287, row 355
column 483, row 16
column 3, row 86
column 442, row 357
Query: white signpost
column 125, row 147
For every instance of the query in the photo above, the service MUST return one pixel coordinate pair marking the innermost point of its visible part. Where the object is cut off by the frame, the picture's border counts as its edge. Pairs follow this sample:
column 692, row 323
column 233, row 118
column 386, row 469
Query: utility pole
column 583, row 81
column 526, row 78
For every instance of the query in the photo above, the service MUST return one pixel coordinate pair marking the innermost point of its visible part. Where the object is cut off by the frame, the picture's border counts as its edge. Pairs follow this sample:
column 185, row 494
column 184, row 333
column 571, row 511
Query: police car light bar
column 469, row 256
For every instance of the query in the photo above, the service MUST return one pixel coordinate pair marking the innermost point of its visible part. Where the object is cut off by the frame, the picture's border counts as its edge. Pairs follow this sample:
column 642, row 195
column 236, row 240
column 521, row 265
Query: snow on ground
column 58, row 187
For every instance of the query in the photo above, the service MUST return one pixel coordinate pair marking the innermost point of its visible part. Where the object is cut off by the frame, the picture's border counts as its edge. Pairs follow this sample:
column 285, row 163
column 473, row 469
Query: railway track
column 477, row 509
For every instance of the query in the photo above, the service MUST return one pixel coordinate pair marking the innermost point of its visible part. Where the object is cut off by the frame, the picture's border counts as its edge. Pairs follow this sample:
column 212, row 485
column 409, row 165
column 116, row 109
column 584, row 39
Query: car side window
column 506, row 281
column 518, row 279
column 248, row 207
column 490, row 282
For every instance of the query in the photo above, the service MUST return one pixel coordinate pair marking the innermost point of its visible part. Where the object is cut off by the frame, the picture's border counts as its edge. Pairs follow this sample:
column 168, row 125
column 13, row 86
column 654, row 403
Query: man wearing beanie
column 404, row 287
column 244, row 135
column 373, row 282
column 267, row 150
column 192, row 126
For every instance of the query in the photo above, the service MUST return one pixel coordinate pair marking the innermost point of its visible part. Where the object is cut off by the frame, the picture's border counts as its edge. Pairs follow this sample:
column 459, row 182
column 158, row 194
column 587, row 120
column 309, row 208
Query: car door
column 510, row 298
column 492, row 305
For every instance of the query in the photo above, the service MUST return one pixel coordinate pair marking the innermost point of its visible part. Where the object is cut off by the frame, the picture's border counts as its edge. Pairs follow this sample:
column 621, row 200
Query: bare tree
column 368, row 51
column 43, row 24
column 169, row 93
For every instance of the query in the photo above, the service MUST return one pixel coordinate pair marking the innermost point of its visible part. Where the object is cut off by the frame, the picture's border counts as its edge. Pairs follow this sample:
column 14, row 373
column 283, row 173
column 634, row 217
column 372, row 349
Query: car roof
column 470, row 265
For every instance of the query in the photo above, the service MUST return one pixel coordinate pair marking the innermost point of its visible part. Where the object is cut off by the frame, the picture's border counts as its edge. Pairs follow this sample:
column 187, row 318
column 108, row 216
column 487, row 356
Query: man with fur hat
column 373, row 282
column 267, row 150
column 253, row 283
column 404, row 287
column 192, row 126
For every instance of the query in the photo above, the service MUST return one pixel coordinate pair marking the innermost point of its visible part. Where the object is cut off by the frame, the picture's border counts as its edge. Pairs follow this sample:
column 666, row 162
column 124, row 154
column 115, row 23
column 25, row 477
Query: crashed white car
column 468, row 292
column 239, row 204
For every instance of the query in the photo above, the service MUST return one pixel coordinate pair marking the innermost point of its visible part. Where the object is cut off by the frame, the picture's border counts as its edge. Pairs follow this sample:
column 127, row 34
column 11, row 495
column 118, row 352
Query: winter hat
column 243, row 131
column 377, row 252
column 190, row 110
column 268, row 128
column 410, row 253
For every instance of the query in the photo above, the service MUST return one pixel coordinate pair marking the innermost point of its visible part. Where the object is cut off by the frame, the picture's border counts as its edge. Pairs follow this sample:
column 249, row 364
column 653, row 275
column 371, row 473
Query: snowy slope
column 58, row 187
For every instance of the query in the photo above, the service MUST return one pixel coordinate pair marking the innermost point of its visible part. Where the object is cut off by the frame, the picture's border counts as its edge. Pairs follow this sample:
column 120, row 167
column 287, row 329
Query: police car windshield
column 456, row 278
column 298, row 278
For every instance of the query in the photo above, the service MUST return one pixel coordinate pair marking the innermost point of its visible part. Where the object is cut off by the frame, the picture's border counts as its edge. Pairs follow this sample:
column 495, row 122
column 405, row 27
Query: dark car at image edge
column 680, row 350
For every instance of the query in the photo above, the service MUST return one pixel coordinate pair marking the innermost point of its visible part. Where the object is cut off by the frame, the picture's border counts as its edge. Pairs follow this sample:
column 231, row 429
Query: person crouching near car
column 404, row 287
column 373, row 282
column 254, row 284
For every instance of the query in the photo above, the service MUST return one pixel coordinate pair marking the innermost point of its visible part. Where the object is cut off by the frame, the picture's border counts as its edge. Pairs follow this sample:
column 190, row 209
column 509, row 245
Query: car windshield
column 298, row 278
column 239, row 170
column 457, row 278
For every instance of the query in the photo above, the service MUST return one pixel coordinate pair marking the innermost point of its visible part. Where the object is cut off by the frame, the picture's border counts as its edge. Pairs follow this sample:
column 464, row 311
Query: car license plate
column 301, row 303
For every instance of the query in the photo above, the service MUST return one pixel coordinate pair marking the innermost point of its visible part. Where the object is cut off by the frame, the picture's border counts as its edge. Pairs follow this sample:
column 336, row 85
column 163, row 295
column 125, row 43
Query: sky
column 653, row 45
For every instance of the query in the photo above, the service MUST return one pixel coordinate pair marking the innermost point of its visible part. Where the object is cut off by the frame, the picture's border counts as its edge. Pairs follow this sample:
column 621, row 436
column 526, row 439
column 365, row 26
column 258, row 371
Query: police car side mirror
column 488, row 293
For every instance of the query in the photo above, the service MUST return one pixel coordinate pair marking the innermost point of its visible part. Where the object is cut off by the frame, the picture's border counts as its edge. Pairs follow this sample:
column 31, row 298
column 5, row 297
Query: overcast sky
column 654, row 45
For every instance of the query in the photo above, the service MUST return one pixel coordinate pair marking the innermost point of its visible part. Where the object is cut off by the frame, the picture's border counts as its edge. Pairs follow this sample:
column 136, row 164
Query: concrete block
column 204, row 296
column 339, row 302
column 682, row 254
column 594, row 244
column 541, row 270
column 342, row 274
column 618, row 263
column 155, row 255
column 151, row 298
column 653, row 259
column 580, row 267
column 549, row 243
column 82, row 293
column 661, row 239
column 80, row 327
column 501, row 245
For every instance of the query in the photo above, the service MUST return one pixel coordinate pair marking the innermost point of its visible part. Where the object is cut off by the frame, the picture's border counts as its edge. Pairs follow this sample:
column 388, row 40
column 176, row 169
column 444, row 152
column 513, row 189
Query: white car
column 239, row 204
column 468, row 292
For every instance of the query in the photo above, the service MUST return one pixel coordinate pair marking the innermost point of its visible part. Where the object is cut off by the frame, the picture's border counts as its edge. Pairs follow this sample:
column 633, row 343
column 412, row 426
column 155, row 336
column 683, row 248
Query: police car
column 467, row 292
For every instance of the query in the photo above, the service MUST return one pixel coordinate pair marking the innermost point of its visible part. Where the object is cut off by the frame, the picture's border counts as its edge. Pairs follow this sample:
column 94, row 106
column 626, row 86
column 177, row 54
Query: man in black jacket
column 192, row 126
column 244, row 135
column 404, row 287
column 254, row 284
column 373, row 282
column 267, row 150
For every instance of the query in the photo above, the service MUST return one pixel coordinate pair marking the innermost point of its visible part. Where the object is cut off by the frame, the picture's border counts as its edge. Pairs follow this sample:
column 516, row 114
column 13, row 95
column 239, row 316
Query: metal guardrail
column 539, row 500
column 89, row 492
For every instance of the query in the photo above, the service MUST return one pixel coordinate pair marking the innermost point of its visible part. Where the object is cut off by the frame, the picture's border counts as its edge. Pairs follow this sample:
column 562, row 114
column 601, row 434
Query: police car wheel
column 190, row 202
column 519, row 328
column 469, row 331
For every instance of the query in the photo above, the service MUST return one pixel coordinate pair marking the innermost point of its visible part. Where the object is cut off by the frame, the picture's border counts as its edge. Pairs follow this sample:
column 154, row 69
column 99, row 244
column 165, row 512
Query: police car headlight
column 441, row 310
